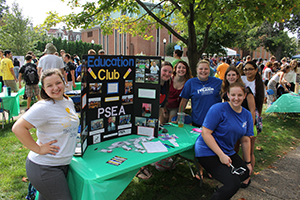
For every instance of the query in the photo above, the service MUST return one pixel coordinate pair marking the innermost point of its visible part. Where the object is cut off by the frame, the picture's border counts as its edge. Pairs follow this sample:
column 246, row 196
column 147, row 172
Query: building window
column 107, row 49
column 124, row 37
column 71, row 37
column 171, row 38
column 90, row 34
column 120, row 44
column 157, row 41
column 103, row 46
column 100, row 37
column 116, row 42
column 77, row 37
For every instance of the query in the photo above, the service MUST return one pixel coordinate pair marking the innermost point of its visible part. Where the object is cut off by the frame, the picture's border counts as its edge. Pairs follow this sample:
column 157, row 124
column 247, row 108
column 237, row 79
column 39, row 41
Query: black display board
column 119, row 96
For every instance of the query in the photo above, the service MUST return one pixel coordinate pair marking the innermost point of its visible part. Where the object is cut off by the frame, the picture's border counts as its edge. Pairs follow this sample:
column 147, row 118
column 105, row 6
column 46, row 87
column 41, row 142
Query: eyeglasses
column 249, row 69
column 238, row 171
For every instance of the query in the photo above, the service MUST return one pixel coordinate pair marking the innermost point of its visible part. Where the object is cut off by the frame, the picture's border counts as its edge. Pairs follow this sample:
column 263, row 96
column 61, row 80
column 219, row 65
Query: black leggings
column 222, row 173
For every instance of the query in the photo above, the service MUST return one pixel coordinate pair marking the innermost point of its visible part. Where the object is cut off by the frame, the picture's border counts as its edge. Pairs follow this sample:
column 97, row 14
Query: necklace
column 203, row 85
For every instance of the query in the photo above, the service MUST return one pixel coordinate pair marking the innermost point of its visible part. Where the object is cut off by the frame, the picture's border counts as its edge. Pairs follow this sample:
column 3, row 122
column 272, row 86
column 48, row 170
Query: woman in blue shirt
column 224, row 124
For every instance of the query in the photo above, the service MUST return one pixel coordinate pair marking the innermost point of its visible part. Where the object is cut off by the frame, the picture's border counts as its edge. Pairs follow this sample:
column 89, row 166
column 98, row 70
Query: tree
column 3, row 7
column 16, row 34
column 185, row 19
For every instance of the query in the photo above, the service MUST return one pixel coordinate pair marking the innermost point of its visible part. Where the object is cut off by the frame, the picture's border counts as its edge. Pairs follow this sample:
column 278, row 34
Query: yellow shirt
column 1, row 74
column 6, row 64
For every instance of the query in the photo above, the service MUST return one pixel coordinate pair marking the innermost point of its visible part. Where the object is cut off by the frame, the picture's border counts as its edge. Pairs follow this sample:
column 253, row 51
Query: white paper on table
column 154, row 147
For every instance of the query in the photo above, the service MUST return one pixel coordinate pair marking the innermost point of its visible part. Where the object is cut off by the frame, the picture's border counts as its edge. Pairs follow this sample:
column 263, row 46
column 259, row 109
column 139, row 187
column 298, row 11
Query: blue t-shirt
column 203, row 94
column 227, row 125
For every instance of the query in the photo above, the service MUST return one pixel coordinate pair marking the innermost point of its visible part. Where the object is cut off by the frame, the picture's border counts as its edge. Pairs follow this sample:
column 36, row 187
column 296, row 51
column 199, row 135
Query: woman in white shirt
column 56, row 122
column 290, row 77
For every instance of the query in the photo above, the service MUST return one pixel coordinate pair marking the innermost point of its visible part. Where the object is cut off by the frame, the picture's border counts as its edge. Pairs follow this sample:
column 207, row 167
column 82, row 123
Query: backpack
column 30, row 75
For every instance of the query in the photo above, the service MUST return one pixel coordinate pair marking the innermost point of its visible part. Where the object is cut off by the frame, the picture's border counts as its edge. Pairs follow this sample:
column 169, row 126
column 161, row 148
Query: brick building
column 126, row 44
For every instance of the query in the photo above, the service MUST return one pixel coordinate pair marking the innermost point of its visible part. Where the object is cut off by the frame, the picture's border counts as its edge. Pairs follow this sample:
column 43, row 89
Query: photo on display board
column 151, row 78
column 96, row 124
column 94, row 102
column 125, row 119
column 154, row 66
column 146, row 109
column 140, row 121
column 83, row 116
column 128, row 86
column 127, row 99
column 111, row 124
column 151, row 122
column 95, row 88
column 84, row 132
column 140, row 75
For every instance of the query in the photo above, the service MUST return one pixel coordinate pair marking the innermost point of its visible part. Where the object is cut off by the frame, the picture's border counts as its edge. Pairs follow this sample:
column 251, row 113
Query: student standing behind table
column 165, row 79
column 252, row 79
column 224, row 124
column 177, row 55
column 203, row 92
column 29, row 73
column 181, row 73
column 56, row 122
column 70, row 72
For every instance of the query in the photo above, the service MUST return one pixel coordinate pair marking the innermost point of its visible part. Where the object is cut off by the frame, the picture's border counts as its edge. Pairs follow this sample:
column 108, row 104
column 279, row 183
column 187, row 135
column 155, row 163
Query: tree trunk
column 192, row 53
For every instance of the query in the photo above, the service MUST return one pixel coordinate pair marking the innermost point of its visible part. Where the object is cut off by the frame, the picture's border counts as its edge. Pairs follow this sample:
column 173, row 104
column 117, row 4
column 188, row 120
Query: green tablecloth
column 11, row 103
column 286, row 103
column 90, row 177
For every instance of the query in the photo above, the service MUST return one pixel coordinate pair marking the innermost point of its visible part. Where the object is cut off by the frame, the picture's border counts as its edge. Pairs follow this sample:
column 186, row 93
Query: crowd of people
column 226, row 97
column 227, row 104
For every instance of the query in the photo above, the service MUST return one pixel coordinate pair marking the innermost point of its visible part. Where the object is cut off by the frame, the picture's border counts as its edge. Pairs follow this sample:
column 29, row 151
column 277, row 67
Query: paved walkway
column 282, row 181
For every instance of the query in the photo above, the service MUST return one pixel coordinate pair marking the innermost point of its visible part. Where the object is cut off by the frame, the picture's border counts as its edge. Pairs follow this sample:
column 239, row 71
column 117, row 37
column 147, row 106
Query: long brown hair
column 46, row 73
column 259, row 89
column 188, row 73
column 225, row 83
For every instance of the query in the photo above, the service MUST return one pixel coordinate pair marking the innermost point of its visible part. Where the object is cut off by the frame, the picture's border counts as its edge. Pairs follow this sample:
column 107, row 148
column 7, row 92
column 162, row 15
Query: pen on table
column 166, row 145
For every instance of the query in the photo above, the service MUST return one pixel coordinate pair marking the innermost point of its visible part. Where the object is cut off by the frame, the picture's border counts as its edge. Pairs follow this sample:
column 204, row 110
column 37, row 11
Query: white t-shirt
column 266, row 72
column 290, row 77
column 154, row 69
column 250, row 84
column 50, row 61
column 54, row 121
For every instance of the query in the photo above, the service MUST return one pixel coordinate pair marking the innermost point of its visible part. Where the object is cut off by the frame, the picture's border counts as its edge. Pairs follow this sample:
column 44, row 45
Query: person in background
column 260, row 66
column 291, row 76
column 16, row 66
column 224, row 124
column 283, row 61
column 56, row 123
column 222, row 68
column 203, row 92
column 91, row 52
column 181, row 73
column 1, row 73
column 50, row 61
column 70, row 72
column 101, row 52
column 31, row 88
column 278, row 78
column 9, row 77
column 78, row 72
column 177, row 55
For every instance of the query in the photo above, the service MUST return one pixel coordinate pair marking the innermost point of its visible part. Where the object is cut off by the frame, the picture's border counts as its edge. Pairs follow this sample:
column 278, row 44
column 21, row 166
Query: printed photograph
column 146, row 109
column 154, row 66
column 140, row 121
column 140, row 75
column 125, row 119
column 95, row 88
column 152, row 122
column 151, row 78
column 111, row 124
column 128, row 86
column 97, row 124
column 127, row 99
column 94, row 102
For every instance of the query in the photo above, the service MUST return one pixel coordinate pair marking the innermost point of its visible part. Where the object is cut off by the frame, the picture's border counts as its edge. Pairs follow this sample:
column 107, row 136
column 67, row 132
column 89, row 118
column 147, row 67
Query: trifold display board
column 119, row 96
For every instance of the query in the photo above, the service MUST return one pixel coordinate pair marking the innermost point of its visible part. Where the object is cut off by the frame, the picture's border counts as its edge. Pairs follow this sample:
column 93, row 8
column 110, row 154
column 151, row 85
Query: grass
column 279, row 136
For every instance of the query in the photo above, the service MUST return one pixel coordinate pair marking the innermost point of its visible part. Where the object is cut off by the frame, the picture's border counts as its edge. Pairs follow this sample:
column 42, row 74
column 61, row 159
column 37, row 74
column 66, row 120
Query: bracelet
column 248, row 162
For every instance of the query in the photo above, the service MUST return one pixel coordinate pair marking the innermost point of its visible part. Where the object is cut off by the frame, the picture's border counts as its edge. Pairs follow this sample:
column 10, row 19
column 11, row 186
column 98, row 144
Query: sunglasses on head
column 248, row 69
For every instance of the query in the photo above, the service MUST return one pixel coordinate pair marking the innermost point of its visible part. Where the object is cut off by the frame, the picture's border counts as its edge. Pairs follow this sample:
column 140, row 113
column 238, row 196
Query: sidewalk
column 281, row 181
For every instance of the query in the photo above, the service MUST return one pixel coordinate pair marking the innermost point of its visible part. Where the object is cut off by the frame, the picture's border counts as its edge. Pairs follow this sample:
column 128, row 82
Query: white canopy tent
column 230, row 52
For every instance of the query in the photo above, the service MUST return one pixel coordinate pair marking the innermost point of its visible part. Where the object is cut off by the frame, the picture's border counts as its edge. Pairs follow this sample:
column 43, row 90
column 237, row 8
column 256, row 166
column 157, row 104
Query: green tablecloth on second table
column 11, row 103
column 90, row 177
